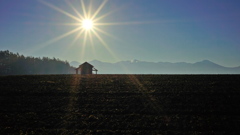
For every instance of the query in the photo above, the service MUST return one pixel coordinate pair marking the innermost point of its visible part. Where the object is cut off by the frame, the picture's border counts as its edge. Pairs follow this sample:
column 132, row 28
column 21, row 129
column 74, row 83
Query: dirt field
column 120, row 104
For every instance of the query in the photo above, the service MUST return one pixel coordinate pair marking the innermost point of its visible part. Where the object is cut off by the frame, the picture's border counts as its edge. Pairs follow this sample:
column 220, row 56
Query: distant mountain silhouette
column 144, row 67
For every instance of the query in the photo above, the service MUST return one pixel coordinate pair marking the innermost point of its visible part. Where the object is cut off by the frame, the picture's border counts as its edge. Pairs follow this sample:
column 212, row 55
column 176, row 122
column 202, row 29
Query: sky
column 154, row 31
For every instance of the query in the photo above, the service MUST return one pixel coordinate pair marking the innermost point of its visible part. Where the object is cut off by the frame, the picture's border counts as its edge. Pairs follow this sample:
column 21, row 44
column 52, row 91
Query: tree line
column 16, row 64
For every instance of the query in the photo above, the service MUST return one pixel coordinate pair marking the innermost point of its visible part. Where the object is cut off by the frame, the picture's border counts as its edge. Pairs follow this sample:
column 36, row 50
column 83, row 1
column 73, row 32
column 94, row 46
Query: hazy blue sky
column 148, row 30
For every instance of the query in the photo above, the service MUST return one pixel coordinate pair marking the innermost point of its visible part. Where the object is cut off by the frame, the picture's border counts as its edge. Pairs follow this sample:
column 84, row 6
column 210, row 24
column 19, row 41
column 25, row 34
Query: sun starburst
column 86, row 24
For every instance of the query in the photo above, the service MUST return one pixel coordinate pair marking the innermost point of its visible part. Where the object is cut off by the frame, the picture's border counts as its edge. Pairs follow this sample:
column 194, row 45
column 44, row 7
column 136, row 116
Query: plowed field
column 120, row 104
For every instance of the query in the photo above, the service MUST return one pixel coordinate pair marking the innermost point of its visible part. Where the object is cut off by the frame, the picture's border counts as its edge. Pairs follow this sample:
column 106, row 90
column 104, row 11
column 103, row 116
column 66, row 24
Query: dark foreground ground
column 120, row 104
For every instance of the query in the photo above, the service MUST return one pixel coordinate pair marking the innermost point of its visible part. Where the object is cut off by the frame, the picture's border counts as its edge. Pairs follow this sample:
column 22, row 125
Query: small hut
column 86, row 69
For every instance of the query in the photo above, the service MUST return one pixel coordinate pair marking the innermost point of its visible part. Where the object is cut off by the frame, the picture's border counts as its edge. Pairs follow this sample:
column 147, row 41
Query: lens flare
column 87, row 25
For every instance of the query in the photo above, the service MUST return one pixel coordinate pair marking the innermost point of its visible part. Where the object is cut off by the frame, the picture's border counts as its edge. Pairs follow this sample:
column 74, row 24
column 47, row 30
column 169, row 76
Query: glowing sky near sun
column 114, row 30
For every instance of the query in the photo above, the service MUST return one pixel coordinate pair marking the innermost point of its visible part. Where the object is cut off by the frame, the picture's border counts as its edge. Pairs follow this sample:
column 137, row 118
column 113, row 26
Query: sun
column 87, row 24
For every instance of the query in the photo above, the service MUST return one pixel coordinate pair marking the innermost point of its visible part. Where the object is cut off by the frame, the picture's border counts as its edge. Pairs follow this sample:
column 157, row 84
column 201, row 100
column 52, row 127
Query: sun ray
column 74, row 9
column 95, row 19
column 85, row 38
column 89, row 9
column 105, row 15
column 92, row 45
column 84, row 10
column 101, row 17
column 100, row 39
column 134, row 23
column 68, row 24
column 117, row 23
column 99, row 9
column 54, row 39
column 104, row 43
column 84, row 44
column 75, row 40
column 77, row 37
column 91, row 38
column 62, row 36
column 122, row 23
column 60, row 10
column 92, row 42
column 106, row 33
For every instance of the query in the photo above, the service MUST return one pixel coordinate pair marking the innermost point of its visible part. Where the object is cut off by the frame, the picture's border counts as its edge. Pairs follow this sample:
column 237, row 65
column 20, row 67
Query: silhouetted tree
column 16, row 64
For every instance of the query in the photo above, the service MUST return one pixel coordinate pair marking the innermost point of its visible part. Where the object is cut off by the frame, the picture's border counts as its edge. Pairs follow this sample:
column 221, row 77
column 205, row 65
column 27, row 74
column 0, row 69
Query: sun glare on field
column 87, row 24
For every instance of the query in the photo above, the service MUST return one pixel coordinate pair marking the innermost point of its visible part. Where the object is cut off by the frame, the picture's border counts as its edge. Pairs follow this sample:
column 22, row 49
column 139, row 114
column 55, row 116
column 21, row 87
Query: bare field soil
column 120, row 104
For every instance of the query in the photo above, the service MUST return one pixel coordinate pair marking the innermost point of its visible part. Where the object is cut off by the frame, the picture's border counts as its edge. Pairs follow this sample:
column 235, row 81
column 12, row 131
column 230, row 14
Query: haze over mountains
column 143, row 67
column 17, row 64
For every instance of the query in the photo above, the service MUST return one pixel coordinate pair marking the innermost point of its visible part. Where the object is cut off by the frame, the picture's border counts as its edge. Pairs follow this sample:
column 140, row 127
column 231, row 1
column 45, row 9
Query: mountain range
column 143, row 67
